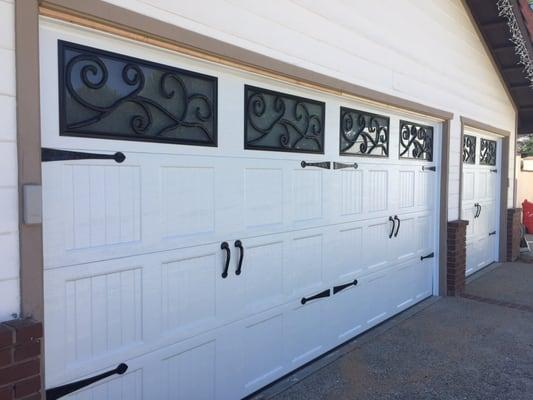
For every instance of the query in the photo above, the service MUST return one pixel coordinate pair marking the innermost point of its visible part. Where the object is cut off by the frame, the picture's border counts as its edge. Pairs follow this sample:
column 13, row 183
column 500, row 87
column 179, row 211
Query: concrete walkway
column 451, row 348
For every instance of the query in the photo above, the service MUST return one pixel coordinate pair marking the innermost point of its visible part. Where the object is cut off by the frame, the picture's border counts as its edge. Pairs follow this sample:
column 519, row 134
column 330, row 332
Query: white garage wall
column 9, row 250
column 426, row 51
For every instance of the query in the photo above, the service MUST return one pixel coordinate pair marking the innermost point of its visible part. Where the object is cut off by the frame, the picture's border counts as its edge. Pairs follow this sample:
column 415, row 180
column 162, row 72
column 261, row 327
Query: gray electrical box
column 32, row 204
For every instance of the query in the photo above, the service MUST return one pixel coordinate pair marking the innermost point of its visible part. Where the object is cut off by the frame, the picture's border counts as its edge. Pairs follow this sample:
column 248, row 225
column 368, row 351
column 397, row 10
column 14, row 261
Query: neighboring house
column 524, row 179
column 230, row 189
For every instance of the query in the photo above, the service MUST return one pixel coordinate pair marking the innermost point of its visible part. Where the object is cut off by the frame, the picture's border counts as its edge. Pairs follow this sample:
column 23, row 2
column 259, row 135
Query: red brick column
column 456, row 265
column 20, row 360
column 514, row 219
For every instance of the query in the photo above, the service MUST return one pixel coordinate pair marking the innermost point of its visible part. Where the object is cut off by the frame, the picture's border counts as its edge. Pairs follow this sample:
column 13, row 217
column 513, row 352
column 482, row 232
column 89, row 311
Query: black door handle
column 393, row 226
column 430, row 255
column 337, row 289
column 339, row 165
column 479, row 212
column 325, row 293
column 63, row 155
column 225, row 246
column 238, row 244
column 61, row 391
column 399, row 223
column 477, row 209
column 323, row 164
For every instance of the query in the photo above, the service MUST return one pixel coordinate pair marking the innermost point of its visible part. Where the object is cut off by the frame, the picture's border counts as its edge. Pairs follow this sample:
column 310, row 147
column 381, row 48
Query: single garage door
column 480, row 198
column 215, row 230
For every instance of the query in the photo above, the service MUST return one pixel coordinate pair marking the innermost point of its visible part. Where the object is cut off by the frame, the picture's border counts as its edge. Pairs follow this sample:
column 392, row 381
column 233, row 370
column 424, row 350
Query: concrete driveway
column 475, row 347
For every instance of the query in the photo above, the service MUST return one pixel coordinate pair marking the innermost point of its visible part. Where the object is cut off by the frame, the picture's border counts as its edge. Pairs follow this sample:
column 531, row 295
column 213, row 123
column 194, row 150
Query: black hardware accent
column 494, row 170
column 337, row 289
column 61, row 391
column 488, row 152
column 479, row 212
column 492, row 233
column 325, row 293
column 399, row 223
column 238, row 244
column 363, row 133
column 225, row 246
column 339, row 165
column 430, row 255
column 112, row 96
column 469, row 149
column 63, row 155
column 424, row 168
column 393, row 226
column 323, row 164
column 281, row 122
column 416, row 141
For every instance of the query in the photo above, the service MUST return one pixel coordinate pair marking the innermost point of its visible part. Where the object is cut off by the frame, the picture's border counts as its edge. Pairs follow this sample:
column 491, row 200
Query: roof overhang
column 508, row 52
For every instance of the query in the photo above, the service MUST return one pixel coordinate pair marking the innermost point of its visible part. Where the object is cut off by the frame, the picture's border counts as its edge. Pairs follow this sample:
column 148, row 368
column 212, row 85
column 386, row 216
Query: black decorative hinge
column 324, row 164
column 430, row 255
column 325, row 293
column 339, row 165
column 492, row 233
column 61, row 391
column 63, row 155
column 424, row 168
column 494, row 170
column 339, row 288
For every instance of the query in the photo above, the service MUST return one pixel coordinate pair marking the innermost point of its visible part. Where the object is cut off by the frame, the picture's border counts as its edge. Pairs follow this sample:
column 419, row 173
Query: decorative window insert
column 112, row 96
column 487, row 155
column 282, row 122
column 416, row 141
column 469, row 149
column 363, row 133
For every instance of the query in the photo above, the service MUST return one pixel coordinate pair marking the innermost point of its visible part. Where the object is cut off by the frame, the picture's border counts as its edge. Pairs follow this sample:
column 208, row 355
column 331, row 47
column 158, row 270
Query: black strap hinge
column 430, row 255
column 424, row 168
column 63, row 155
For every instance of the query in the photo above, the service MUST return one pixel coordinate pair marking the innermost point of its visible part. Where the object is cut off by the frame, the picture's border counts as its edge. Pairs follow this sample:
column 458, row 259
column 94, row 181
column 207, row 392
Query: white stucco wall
column 426, row 51
column 9, row 249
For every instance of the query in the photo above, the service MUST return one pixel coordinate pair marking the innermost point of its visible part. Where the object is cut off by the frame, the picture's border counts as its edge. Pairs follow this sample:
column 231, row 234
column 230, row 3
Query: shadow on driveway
column 453, row 348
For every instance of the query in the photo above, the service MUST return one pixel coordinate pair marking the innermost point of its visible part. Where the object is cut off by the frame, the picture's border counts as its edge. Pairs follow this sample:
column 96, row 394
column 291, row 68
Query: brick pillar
column 456, row 266
column 20, row 360
column 514, row 219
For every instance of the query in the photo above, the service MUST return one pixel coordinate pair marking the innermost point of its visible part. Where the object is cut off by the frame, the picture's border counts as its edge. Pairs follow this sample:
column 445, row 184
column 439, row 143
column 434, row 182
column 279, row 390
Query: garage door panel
column 308, row 195
column 305, row 272
column 377, row 245
column 345, row 256
column 378, row 196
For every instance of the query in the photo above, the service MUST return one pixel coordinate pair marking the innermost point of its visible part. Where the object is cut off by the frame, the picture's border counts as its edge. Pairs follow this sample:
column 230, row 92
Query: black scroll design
column 363, row 133
column 112, row 96
column 281, row 122
column 487, row 154
column 416, row 141
column 469, row 149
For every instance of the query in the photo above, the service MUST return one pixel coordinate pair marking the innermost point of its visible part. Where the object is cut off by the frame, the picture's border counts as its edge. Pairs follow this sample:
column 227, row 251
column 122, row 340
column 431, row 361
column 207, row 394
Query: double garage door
column 218, row 243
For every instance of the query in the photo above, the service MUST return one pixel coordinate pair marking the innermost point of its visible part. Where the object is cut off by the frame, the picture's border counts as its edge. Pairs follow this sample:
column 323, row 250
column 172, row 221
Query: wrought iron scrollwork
column 281, row 122
column 363, row 133
column 108, row 95
column 416, row 141
column 487, row 154
column 469, row 149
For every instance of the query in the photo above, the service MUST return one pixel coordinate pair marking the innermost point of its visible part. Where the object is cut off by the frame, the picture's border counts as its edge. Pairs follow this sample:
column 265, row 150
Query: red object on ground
column 527, row 212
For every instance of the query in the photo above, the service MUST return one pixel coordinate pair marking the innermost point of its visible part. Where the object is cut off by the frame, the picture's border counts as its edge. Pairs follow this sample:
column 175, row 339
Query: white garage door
column 480, row 201
column 235, row 242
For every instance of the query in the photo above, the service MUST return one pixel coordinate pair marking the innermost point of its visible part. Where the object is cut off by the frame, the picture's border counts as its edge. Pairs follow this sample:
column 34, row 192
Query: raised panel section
column 426, row 190
column 469, row 181
column 307, row 195
column 263, row 197
column 304, row 272
column 377, row 190
column 407, row 189
column 191, row 374
column 188, row 197
column 263, row 351
column 188, row 291
column 125, row 387
column 351, row 192
column 102, row 205
column 103, row 314
column 263, row 270
column 376, row 242
column 348, row 251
